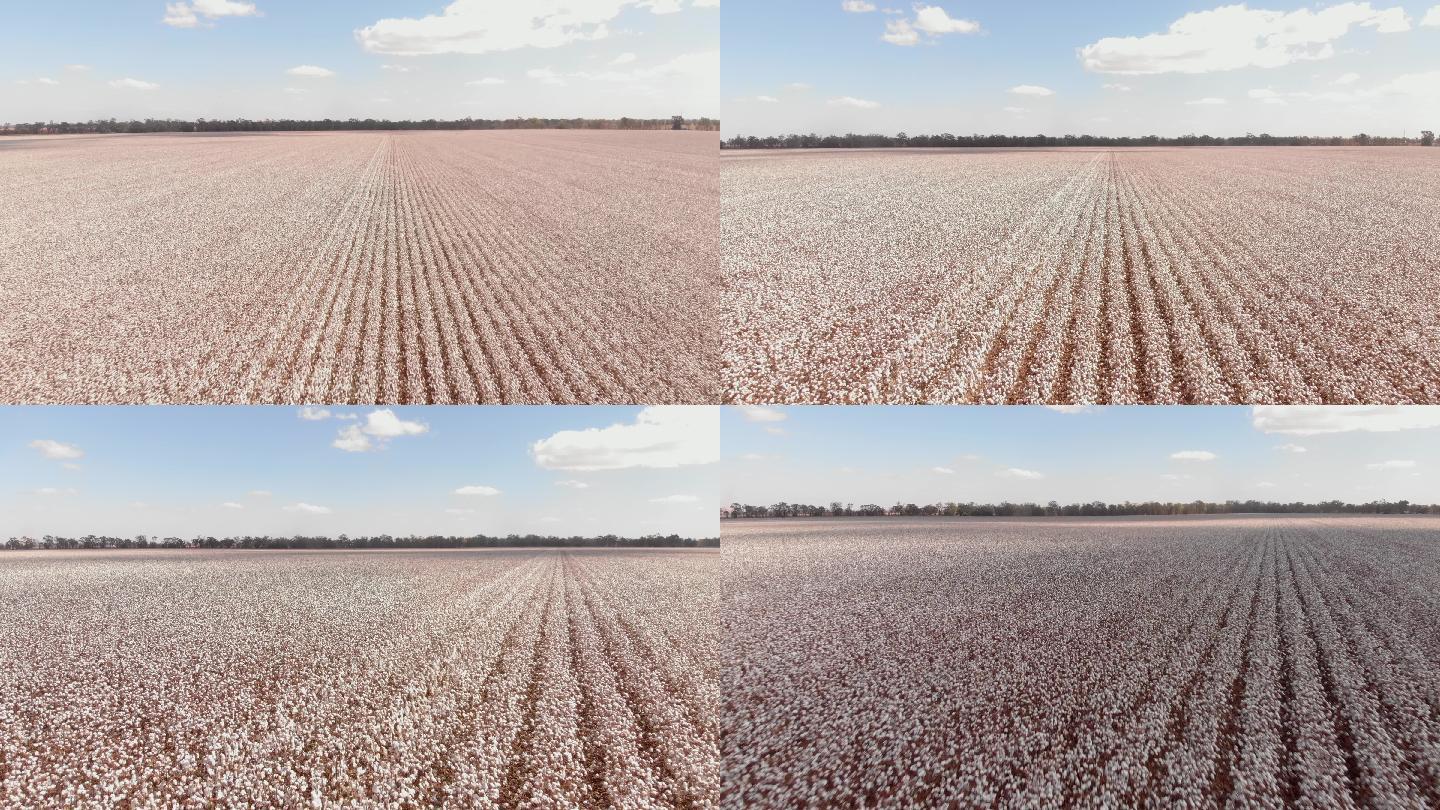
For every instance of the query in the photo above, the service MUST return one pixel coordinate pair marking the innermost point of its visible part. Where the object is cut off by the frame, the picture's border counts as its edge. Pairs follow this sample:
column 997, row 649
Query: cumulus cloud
column 77, row 68
column 1266, row 95
column 232, row 505
column 1394, row 464
column 1175, row 477
column 187, row 15
column 486, row 81
column 1309, row 420
column 132, row 84
column 53, row 491
column 661, row 437
column 934, row 20
column 797, row 86
column 675, row 499
column 1265, row 484
column 311, row 72
column 312, row 414
column 1208, row 101
column 397, row 68
column 49, row 448
column 1432, row 17
column 759, row 413
column 1347, row 79
column 483, row 26
column 942, row 470
column 1291, row 448
column 623, row 59
column 379, row 427
column 572, row 484
column 857, row 6
column 851, row 101
column 1419, row 85
column 1193, row 455
column 1016, row 472
column 1236, row 36
column 1122, row 88
column 701, row 65
column 1031, row 90
column 767, row 99
column 477, row 489
column 308, row 508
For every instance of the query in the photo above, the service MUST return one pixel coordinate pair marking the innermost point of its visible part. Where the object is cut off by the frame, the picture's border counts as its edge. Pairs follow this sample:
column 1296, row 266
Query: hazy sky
column 86, row 59
column 989, row 454
column 1122, row 67
column 275, row 470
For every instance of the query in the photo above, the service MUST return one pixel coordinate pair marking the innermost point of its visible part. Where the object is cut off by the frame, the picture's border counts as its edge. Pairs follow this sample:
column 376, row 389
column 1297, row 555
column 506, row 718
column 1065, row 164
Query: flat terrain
column 1215, row 275
column 359, row 679
column 359, row 267
column 1263, row 662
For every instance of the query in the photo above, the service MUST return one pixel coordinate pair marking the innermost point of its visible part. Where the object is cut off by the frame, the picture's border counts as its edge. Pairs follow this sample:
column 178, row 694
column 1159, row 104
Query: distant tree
column 677, row 122
column 1427, row 138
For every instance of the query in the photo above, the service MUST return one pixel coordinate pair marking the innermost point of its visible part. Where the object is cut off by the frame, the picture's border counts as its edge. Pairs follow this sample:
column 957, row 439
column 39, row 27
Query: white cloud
column 233, row 505
column 767, row 99
column 1235, row 36
column 660, row 436
column 758, row 413
column 308, row 508
column 483, row 26
column 70, row 465
column 1193, row 455
column 1291, row 448
column 294, row 91
column 259, row 493
column 623, row 59
column 1175, row 477
column 311, row 72
column 1015, row 110
column 1208, row 101
column 187, row 15
column 572, row 484
column 180, row 15
column 1309, row 420
column 900, row 32
column 706, row 3
column 379, row 428
column 942, row 470
column 850, row 101
column 1070, row 408
column 934, row 20
column 1394, row 464
column 132, row 84
column 50, row 448
column 311, row 413
column 459, row 511
column 675, row 499
column 1265, row 484
column 486, row 81
column 797, row 86
column 1347, row 79
column 1419, row 85
column 397, row 68
column 77, row 68
column 1264, row 94
column 1122, row 88
column 857, row 6
column 1031, row 90
column 477, row 489
column 545, row 75
column 701, row 65
column 54, row 491
column 1432, row 17
column 1016, row 472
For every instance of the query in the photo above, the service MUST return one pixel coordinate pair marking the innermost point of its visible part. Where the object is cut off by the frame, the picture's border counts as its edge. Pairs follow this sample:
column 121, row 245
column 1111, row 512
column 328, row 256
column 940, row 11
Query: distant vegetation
column 853, row 141
column 95, row 541
column 1053, row 509
column 111, row 125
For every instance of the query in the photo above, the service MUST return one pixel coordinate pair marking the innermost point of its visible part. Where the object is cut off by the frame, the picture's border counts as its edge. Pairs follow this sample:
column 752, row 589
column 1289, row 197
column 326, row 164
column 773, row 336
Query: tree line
column 854, row 141
column 96, row 541
column 112, row 126
column 1053, row 509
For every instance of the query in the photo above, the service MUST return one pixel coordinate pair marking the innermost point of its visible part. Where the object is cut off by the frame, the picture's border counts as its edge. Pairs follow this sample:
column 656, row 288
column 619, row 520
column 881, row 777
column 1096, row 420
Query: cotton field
column 1197, row 662
column 1221, row 275
column 359, row 679
column 359, row 267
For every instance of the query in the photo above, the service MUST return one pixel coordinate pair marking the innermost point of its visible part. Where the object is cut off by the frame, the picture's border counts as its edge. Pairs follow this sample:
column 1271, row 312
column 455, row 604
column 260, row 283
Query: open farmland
column 1167, row 275
column 360, row 267
column 1244, row 662
column 359, row 679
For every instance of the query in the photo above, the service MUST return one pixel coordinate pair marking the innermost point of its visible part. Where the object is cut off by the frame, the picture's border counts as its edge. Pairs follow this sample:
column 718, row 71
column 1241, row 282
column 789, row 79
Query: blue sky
column 647, row 58
column 239, row 470
column 1273, row 66
column 987, row 454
